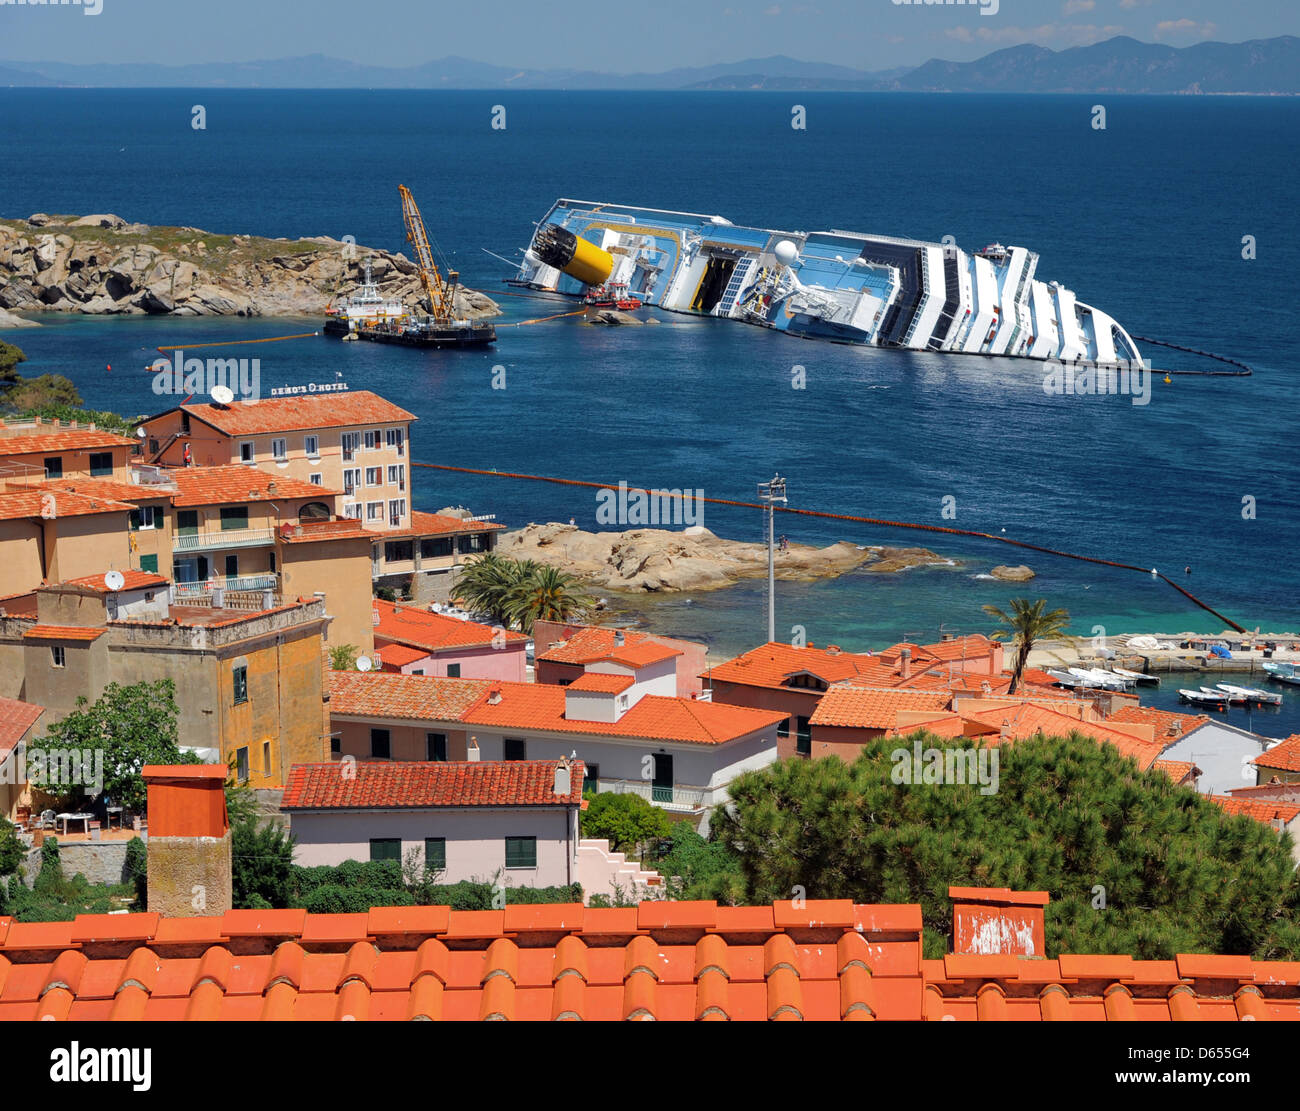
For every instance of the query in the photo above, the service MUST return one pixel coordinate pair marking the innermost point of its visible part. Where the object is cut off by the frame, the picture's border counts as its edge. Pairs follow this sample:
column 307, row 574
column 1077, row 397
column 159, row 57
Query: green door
column 662, row 786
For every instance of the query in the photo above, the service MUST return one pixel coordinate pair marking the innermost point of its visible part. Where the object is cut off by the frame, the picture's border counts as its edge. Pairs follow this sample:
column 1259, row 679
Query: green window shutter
column 521, row 852
column 386, row 848
column 234, row 517
column 149, row 563
column 240, row 676
column 435, row 853
column 187, row 522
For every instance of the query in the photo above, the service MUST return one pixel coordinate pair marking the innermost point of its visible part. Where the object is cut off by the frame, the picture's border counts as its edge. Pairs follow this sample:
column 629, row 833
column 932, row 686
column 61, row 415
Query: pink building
column 565, row 651
column 414, row 641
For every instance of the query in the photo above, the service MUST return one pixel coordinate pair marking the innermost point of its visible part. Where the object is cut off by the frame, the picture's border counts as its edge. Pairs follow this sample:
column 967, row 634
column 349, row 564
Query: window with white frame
column 396, row 438
column 351, row 479
column 374, row 476
column 280, row 449
column 311, row 445
column 397, row 476
column 396, row 511
column 352, row 511
column 374, row 511
column 374, row 439
column 246, row 452
column 316, row 479
column 350, row 442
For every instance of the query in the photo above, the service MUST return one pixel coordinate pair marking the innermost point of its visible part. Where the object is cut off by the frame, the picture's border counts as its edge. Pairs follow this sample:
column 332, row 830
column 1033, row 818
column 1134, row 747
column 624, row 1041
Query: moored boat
column 1204, row 698
column 1251, row 694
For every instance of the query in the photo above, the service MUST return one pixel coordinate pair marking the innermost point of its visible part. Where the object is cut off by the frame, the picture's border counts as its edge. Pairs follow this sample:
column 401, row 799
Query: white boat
column 1252, row 694
column 1203, row 698
column 1091, row 677
column 1063, row 678
column 1283, row 673
column 1225, row 694
column 1137, row 676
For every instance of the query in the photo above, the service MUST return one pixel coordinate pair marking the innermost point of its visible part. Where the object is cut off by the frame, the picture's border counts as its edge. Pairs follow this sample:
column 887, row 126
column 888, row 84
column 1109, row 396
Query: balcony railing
column 682, row 798
column 225, row 538
column 237, row 592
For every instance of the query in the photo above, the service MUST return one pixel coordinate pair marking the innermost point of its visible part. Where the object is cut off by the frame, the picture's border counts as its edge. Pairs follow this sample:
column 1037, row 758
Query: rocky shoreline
column 649, row 561
column 101, row 264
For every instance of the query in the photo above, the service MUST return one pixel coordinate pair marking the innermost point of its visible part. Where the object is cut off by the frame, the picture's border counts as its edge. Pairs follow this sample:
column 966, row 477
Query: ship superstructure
column 835, row 285
column 367, row 306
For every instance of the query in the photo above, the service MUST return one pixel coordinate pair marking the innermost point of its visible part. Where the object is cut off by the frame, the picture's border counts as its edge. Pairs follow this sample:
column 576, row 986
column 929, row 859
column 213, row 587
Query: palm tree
column 1026, row 624
column 486, row 582
column 545, row 594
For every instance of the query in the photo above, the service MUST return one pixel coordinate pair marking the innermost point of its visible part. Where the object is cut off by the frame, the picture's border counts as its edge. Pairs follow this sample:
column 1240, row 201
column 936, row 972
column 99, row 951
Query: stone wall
column 98, row 861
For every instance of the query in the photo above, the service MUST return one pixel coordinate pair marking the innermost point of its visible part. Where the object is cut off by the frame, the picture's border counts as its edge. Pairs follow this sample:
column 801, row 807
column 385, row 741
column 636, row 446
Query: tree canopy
column 1133, row 863
column 517, row 592
column 625, row 820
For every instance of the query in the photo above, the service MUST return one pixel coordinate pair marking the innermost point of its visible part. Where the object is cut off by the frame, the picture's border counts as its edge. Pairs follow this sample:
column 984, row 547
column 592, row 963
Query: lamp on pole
column 771, row 492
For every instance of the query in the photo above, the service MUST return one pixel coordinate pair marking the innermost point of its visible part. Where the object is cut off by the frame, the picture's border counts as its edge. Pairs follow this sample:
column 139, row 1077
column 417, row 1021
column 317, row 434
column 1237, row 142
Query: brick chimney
column 189, row 870
column 998, row 920
column 905, row 663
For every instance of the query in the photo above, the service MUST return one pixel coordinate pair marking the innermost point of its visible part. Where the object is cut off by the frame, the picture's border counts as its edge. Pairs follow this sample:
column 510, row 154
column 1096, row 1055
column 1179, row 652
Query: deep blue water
column 1144, row 220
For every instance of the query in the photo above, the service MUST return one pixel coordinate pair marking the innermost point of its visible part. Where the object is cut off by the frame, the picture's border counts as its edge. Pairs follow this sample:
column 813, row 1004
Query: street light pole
column 772, row 492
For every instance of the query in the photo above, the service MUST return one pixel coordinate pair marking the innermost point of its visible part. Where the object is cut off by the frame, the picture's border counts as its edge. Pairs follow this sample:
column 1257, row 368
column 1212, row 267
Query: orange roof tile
column 1284, row 756
column 17, row 504
column 76, row 439
column 238, row 482
column 866, row 708
column 599, row 683
column 399, row 655
column 1177, row 770
column 1029, row 720
column 971, row 647
column 771, row 664
column 422, row 628
column 673, row 961
column 99, row 488
column 132, row 580
column 314, row 532
column 1169, row 726
column 409, row 697
column 15, row 719
column 435, row 524
column 63, row 632
column 419, row 784
column 1267, row 811
column 299, row 413
column 594, row 644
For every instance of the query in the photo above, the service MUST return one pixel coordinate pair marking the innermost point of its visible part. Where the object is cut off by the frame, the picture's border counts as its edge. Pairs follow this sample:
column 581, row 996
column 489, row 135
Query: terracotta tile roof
column 771, row 664
column 132, row 580
column 594, row 644
column 1268, row 811
column 238, row 482
column 600, row 683
column 399, row 655
column 1285, row 756
column 830, row 960
column 862, row 708
column 1029, row 719
column 1177, row 770
column 63, row 632
column 17, row 504
column 972, row 647
column 371, row 784
column 78, row 439
column 402, row 697
column 434, row 524
column 422, row 628
column 314, row 532
column 300, row 413
column 15, row 719
column 103, row 488
column 1168, row 725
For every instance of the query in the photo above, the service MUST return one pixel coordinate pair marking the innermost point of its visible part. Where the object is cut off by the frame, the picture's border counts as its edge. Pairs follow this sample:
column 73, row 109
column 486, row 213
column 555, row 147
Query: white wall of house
column 475, row 839
column 1223, row 753
column 656, row 678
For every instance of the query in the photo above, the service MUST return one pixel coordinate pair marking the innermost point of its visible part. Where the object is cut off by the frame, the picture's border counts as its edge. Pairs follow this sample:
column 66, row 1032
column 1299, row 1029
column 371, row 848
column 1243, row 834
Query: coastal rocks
column 8, row 320
column 1017, row 574
column 658, row 560
column 100, row 264
column 611, row 318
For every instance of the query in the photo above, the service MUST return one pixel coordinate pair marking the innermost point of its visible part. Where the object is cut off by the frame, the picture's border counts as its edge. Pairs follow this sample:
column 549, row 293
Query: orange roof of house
column 417, row 784
column 971, row 647
column 594, row 644
column 17, row 504
column 1177, row 770
column 339, row 528
column 112, row 489
column 600, row 683
column 132, row 580
column 436, row 631
column 1029, row 720
column 399, row 655
column 1284, row 756
column 1170, row 726
column 301, row 412
column 76, row 439
column 435, row 524
column 1267, row 811
column 822, row 960
column 16, row 718
column 238, row 482
column 863, row 708
column 771, row 664
column 63, row 632
column 410, row 697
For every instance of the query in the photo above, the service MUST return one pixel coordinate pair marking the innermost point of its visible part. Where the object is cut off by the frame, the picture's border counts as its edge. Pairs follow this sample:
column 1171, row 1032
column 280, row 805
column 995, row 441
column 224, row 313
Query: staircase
column 600, row 870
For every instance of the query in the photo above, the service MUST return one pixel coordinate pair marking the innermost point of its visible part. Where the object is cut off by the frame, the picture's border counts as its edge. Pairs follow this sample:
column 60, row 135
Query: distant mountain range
column 1118, row 65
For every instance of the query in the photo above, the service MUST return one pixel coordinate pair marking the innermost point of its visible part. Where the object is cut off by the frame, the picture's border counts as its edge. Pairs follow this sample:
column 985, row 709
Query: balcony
column 237, row 591
column 222, row 539
column 682, row 799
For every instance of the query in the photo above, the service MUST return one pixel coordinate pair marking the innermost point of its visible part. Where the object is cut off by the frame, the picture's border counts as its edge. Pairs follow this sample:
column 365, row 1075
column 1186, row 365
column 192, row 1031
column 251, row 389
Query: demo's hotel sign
column 310, row 387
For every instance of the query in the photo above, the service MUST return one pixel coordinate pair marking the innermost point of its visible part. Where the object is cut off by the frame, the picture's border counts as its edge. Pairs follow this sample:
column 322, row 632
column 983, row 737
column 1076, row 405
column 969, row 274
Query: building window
column 436, row 747
column 475, row 543
column 240, row 683
column 374, row 476
column 661, row 787
column 431, row 547
column 352, row 512
column 397, row 476
column 246, row 453
column 396, row 438
column 149, row 563
column 232, row 566
column 399, row 551
column 57, row 656
column 386, row 848
column 380, row 744
column 803, row 737
column 234, row 517
column 266, row 757
column 373, row 439
column 351, row 479
column 374, row 511
column 350, row 442
column 590, row 778
column 101, row 463
column 187, row 522
column 783, row 730
column 435, row 853
column 311, row 445
column 145, row 517
column 512, row 748
column 241, row 764
column 280, row 449
column 336, row 745
column 54, row 467
column 396, row 511
column 315, row 479
column 453, row 671
column 521, row 852
column 270, row 562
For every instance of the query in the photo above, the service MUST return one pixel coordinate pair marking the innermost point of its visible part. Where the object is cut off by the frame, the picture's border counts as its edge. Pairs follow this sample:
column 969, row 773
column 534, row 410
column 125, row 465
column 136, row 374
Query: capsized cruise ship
column 835, row 285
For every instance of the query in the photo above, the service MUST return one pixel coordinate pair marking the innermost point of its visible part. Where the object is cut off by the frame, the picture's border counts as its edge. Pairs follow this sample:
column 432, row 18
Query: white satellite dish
column 363, row 663
column 786, row 252
column 223, row 395
column 141, row 433
column 114, row 580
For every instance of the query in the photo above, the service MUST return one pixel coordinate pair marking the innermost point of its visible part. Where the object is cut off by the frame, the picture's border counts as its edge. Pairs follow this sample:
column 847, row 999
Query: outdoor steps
column 600, row 869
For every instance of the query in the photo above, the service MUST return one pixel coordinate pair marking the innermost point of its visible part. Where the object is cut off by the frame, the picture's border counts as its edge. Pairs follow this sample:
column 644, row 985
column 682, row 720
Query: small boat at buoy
column 1251, row 694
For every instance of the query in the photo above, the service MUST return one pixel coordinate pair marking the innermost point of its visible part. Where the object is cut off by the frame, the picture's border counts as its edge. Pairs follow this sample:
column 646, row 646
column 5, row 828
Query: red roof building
column 415, row 641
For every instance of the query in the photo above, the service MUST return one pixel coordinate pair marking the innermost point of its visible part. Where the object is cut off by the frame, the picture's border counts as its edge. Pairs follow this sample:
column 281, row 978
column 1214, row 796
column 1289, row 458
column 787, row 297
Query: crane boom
column 441, row 294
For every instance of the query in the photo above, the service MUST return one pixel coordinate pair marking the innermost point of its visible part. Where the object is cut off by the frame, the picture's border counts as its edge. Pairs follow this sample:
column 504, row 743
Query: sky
column 614, row 36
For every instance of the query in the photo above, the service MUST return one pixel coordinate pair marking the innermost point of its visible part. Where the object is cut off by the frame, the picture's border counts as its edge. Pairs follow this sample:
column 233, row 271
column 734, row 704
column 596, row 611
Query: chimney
column 562, row 776
column 472, row 753
column 905, row 661
column 494, row 696
column 188, row 871
column 998, row 920
column 620, row 638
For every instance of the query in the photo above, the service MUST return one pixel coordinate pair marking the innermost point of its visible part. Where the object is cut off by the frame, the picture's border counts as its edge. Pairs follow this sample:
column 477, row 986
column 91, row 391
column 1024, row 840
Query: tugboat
column 611, row 295
column 366, row 306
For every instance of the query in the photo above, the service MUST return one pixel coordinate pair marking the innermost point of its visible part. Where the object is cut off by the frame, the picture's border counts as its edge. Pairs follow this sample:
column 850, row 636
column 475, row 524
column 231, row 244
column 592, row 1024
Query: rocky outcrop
column 103, row 264
column 658, row 560
column 8, row 320
column 1017, row 574
column 612, row 318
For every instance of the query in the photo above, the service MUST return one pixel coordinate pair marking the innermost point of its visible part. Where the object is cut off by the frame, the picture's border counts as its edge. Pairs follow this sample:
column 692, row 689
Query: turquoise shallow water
column 1149, row 232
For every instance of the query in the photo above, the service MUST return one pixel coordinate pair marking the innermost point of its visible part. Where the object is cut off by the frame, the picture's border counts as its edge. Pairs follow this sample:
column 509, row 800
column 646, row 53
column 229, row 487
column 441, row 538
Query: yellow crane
column 441, row 294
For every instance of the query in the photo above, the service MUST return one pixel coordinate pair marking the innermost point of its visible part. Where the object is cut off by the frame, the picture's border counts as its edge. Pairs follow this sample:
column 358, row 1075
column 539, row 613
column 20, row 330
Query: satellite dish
column 363, row 663
column 114, row 580
column 786, row 252
column 223, row 395
column 141, row 433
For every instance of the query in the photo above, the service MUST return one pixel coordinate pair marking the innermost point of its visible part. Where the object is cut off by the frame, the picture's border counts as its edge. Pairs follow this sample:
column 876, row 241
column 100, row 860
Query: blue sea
column 1144, row 220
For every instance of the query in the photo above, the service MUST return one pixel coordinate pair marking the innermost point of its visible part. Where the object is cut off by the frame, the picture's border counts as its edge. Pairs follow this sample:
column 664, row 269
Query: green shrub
column 137, row 871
